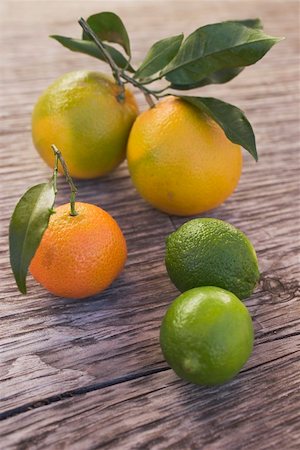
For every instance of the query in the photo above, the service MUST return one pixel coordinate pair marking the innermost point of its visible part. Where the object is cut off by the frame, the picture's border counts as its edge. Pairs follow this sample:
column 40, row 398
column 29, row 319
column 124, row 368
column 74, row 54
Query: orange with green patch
column 82, row 113
column 180, row 160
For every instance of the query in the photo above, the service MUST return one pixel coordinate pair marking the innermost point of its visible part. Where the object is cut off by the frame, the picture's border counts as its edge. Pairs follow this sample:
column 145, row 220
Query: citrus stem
column 118, row 73
column 58, row 157
column 159, row 91
column 55, row 171
column 149, row 100
column 147, row 92
column 115, row 69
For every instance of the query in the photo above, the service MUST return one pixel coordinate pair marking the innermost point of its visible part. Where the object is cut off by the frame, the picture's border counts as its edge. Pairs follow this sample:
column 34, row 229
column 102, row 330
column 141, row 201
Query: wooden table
column 89, row 374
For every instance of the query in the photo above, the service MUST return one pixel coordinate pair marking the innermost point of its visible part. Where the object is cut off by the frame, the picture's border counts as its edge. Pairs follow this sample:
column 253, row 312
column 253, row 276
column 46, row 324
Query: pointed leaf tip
column 109, row 27
column 27, row 226
column 160, row 54
column 218, row 47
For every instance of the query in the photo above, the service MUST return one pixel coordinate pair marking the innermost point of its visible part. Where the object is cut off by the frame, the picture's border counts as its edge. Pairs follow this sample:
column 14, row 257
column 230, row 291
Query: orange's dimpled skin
column 180, row 161
column 81, row 255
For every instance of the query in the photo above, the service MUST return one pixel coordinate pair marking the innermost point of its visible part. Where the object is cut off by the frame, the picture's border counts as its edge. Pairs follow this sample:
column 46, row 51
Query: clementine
column 81, row 255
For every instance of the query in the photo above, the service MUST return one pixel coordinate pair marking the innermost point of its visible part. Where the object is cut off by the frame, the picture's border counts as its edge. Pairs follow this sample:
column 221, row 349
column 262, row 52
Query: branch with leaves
column 212, row 54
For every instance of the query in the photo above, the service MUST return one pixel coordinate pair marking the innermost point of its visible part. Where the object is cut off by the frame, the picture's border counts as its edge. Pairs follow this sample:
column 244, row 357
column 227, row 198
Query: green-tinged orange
column 82, row 113
column 180, row 160
column 207, row 335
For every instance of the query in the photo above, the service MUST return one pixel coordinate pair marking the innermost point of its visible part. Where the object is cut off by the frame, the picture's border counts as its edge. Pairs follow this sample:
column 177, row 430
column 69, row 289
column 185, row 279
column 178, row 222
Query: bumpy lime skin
column 207, row 336
column 211, row 252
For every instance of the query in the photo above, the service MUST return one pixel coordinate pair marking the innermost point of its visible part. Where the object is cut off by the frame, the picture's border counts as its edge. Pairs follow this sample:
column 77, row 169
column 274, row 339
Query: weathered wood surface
column 89, row 374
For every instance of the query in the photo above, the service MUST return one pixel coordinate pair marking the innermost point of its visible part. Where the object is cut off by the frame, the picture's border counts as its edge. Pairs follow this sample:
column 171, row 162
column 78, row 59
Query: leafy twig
column 117, row 72
column 115, row 69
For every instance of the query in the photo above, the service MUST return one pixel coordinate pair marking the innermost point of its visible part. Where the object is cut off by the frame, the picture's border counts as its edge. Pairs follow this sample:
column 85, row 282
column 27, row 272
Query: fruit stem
column 55, row 171
column 59, row 157
column 159, row 91
column 115, row 69
column 147, row 92
column 149, row 100
column 117, row 72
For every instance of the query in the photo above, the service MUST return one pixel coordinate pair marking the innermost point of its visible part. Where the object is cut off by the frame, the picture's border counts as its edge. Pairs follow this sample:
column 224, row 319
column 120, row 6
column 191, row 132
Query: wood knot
column 279, row 290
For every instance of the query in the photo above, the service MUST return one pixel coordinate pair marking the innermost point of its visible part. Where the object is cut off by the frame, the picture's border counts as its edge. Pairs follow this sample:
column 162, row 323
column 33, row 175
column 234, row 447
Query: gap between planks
column 119, row 380
column 79, row 391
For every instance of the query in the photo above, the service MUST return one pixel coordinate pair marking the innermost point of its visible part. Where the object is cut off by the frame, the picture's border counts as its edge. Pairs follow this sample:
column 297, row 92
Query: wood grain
column 103, row 352
column 258, row 410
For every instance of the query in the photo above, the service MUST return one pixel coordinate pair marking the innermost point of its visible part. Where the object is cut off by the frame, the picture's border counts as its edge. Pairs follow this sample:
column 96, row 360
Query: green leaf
column 216, row 47
column 27, row 226
column 219, row 77
column 159, row 55
column 109, row 27
column 90, row 48
column 233, row 121
column 223, row 75
column 251, row 23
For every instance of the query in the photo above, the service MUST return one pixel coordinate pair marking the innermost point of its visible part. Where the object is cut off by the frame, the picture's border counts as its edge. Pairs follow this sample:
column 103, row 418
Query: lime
column 211, row 252
column 206, row 335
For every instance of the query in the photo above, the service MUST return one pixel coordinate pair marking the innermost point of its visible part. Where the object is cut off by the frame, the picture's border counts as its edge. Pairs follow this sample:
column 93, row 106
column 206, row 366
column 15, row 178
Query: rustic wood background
column 89, row 374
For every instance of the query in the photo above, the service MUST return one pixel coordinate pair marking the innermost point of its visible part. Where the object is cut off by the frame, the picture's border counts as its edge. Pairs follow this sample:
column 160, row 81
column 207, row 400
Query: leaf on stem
column 109, row 27
column 160, row 54
column 215, row 47
column 220, row 77
column 91, row 49
column 27, row 226
column 223, row 75
column 230, row 118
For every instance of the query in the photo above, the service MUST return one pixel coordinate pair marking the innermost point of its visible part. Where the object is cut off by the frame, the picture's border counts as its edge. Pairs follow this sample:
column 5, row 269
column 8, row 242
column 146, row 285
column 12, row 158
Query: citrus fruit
column 82, row 114
column 81, row 255
column 180, row 160
column 211, row 252
column 206, row 335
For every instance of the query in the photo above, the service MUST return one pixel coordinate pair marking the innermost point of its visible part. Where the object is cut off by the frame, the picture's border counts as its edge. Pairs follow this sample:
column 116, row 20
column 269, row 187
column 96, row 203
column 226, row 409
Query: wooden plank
column 257, row 410
column 50, row 347
column 75, row 351
column 71, row 342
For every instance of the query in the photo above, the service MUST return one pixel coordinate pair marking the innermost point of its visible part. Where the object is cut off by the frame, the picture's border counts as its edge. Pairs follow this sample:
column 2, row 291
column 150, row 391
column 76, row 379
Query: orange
column 81, row 255
column 82, row 114
column 180, row 160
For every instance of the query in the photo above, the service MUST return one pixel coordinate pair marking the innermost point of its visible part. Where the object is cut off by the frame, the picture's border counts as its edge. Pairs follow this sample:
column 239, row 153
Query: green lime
column 206, row 335
column 211, row 252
